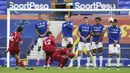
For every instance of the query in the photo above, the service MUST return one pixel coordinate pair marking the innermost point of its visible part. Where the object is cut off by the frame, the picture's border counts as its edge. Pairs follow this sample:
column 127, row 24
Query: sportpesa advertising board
column 29, row 4
column 94, row 4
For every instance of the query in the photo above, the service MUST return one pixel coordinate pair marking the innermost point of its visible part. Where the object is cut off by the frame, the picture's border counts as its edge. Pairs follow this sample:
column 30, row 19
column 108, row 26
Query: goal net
column 27, row 18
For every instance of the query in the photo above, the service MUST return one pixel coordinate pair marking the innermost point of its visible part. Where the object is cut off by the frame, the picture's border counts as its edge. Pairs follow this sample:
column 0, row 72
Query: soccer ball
column 111, row 19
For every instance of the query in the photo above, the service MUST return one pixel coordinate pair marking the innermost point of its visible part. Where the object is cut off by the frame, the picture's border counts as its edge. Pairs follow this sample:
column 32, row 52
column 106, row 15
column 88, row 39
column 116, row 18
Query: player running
column 62, row 55
column 14, row 48
column 114, row 35
column 97, row 44
column 41, row 29
column 49, row 46
column 67, row 29
column 84, row 31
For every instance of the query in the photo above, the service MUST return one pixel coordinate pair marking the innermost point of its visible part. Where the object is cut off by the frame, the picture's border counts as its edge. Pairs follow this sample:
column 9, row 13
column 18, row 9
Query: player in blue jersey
column 84, row 31
column 97, row 44
column 114, row 35
column 67, row 29
column 41, row 29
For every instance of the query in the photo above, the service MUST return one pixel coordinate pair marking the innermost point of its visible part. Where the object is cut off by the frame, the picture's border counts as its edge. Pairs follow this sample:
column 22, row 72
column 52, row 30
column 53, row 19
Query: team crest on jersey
column 71, row 23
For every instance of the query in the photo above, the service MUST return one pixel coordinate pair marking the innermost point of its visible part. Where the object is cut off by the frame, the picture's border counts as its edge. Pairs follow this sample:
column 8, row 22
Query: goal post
column 45, row 10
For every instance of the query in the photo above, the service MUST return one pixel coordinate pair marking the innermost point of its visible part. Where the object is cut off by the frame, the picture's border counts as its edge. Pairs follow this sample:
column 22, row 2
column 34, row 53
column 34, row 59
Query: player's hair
column 67, row 15
column 48, row 33
column 85, row 18
column 115, row 20
column 69, row 45
column 39, row 14
column 19, row 29
column 99, row 18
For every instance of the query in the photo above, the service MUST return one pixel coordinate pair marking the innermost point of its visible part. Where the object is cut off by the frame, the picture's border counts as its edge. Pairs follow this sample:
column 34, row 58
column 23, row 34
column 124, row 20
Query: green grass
column 67, row 70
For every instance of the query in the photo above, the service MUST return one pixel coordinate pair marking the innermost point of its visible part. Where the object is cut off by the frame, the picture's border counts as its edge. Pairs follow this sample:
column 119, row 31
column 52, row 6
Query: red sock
column 62, row 62
column 46, row 60
column 17, row 62
column 21, row 64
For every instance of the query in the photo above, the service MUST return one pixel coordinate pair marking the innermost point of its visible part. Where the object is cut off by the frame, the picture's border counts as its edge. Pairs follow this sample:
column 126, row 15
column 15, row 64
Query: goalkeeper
column 76, row 52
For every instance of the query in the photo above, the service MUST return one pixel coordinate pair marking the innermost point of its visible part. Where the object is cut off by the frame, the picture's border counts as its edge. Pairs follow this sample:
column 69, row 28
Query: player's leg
column 46, row 60
column 100, row 50
column 85, row 52
column 100, row 57
column 73, row 59
column 80, row 47
column 109, row 61
column 50, row 60
column 71, row 62
column 21, row 62
column 39, row 44
column 63, row 43
column 88, row 54
column 117, row 50
column 17, row 63
column 63, row 61
column 70, row 40
column 110, row 52
column 94, row 49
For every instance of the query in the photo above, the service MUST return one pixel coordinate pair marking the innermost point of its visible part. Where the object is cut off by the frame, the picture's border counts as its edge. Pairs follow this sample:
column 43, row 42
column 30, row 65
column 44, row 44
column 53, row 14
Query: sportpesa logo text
column 28, row 5
column 94, row 5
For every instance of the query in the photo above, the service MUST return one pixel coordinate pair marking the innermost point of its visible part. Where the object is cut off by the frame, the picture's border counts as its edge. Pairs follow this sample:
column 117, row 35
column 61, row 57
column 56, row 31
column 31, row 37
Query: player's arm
column 37, row 32
column 78, row 33
column 88, row 36
column 102, row 34
column 64, row 33
column 69, row 54
column 109, row 34
column 120, row 33
column 36, row 29
column 95, row 34
column 47, row 29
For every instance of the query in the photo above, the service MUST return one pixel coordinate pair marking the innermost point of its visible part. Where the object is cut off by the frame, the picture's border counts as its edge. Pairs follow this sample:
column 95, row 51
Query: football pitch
column 67, row 70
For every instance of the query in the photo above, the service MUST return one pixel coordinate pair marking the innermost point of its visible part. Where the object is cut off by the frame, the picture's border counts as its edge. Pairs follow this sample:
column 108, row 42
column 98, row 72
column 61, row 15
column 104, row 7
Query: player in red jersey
column 14, row 48
column 62, row 55
column 49, row 47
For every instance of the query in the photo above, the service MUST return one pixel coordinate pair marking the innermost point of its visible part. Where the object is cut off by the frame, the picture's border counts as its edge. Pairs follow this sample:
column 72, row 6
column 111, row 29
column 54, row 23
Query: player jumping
column 114, row 35
column 49, row 47
column 14, row 48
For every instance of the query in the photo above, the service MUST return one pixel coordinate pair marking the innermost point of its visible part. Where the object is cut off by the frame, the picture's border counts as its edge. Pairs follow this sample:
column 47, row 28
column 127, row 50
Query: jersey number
column 12, row 38
column 47, row 42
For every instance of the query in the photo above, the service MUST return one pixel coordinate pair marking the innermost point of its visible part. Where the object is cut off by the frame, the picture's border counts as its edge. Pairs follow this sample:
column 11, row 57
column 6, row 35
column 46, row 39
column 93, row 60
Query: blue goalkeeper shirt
column 41, row 26
column 67, row 29
column 114, row 33
column 97, row 28
column 84, row 30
